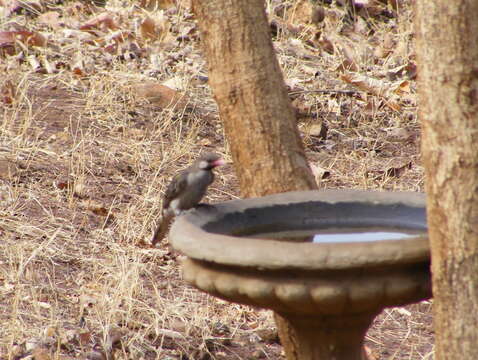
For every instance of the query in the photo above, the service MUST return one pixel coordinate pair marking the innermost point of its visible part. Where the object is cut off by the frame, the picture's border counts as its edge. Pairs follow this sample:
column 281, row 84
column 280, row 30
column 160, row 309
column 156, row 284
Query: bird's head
column 209, row 161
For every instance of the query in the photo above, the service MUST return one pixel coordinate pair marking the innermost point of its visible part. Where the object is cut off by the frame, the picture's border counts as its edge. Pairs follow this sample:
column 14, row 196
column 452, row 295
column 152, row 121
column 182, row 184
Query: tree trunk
column 258, row 118
column 447, row 49
column 248, row 87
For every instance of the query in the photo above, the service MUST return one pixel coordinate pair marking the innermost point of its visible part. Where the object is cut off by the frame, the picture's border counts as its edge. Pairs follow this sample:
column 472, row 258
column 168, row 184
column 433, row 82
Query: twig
column 325, row 91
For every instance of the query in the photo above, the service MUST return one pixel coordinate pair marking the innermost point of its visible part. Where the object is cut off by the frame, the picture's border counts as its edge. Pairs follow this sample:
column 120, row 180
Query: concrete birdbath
column 327, row 261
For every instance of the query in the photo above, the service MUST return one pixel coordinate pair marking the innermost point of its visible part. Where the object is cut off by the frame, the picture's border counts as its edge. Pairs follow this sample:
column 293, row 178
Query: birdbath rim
column 215, row 233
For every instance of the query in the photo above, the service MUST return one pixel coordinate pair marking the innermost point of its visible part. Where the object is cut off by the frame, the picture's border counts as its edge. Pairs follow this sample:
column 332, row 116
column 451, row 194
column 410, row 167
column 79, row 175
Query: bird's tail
column 162, row 229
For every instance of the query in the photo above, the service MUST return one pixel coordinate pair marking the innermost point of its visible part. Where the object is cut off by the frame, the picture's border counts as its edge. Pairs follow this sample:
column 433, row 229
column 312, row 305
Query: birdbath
column 326, row 261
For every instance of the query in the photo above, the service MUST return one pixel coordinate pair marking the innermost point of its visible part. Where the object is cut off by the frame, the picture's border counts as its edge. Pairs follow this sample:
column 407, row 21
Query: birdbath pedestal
column 265, row 252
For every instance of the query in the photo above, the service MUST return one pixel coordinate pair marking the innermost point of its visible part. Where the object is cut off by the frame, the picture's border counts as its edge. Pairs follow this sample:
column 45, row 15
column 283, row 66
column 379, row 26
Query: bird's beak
column 218, row 162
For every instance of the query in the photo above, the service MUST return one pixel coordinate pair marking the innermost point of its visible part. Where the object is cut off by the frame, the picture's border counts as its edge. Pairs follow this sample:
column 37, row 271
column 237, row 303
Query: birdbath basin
column 327, row 262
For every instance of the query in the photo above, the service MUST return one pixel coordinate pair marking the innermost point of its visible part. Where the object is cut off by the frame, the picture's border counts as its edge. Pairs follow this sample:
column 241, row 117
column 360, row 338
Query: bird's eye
column 203, row 164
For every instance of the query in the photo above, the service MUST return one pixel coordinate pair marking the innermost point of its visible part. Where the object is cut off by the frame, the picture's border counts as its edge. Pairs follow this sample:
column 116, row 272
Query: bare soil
column 88, row 142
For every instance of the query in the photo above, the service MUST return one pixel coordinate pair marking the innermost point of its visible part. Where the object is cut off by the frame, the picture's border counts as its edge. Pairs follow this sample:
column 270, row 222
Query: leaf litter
column 104, row 101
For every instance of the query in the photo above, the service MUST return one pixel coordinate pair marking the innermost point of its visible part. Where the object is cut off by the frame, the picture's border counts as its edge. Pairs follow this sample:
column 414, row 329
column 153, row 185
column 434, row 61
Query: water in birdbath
column 340, row 235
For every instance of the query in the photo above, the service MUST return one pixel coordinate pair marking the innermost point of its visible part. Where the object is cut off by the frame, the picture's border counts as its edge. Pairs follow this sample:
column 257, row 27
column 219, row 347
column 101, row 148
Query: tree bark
column 258, row 118
column 249, row 89
column 447, row 49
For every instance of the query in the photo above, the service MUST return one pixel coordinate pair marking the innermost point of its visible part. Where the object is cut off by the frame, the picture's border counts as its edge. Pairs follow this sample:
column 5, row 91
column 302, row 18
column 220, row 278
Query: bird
column 186, row 190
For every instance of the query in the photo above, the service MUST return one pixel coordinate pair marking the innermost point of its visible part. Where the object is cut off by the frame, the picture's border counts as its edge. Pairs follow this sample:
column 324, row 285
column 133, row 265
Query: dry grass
column 84, row 160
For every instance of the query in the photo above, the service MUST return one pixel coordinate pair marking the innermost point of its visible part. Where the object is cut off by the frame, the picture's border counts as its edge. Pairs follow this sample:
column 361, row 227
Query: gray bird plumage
column 186, row 190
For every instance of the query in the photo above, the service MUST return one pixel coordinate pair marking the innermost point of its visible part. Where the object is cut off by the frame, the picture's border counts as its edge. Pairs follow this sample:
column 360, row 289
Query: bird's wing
column 175, row 188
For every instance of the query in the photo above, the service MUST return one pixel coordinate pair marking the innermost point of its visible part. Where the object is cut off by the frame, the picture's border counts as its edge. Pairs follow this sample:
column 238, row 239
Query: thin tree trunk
column 447, row 49
column 259, row 121
column 249, row 89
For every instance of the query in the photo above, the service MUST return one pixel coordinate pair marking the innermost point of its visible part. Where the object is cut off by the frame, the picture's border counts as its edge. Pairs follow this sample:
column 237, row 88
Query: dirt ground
column 102, row 105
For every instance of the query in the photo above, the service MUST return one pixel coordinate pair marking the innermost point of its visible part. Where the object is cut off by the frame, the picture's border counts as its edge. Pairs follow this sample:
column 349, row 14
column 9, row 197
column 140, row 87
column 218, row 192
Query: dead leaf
column 8, row 38
column 41, row 353
column 78, row 67
column 398, row 171
column 96, row 207
column 37, row 39
column 372, row 107
column 160, row 95
column 385, row 47
column 84, row 337
column 403, row 87
column 372, row 86
column 78, row 71
column 393, row 105
column 148, row 29
column 50, row 18
column 367, row 84
column 104, row 22
column 50, row 331
column 381, row 52
column 63, row 184
column 120, row 36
